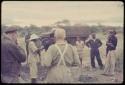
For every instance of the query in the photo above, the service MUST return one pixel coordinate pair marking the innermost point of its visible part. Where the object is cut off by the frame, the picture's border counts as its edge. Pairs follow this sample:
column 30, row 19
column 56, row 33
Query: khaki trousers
column 110, row 63
column 33, row 70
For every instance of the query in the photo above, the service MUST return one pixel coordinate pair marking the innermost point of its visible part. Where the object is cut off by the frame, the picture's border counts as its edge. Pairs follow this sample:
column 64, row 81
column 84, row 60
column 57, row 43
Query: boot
column 33, row 80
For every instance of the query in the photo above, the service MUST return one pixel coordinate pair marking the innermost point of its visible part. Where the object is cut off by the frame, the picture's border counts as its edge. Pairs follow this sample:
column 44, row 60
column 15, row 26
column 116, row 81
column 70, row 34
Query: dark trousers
column 9, row 79
column 95, row 53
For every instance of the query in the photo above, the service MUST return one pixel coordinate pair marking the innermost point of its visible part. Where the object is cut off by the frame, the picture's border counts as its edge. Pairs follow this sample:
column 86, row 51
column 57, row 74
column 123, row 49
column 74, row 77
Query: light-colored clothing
column 80, row 46
column 33, row 59
column 60, row 73
column 110, row 63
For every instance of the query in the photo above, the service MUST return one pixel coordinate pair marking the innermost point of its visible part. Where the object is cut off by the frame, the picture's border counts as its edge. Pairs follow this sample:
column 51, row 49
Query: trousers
column 110, row 63
column 93, row 54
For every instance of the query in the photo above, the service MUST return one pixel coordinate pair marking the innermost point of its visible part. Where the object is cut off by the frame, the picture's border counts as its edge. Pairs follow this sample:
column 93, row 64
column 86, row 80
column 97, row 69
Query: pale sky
column 48, row 12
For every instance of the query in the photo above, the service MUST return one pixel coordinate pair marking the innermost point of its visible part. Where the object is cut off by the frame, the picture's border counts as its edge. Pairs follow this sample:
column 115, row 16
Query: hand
column 111, row 44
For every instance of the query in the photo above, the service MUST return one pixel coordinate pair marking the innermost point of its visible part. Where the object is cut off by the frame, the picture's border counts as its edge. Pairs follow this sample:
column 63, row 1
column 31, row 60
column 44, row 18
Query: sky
column 43, row 13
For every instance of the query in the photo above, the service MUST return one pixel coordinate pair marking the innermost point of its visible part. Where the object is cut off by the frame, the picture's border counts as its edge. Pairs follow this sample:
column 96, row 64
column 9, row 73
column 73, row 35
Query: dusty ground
column 95, row 75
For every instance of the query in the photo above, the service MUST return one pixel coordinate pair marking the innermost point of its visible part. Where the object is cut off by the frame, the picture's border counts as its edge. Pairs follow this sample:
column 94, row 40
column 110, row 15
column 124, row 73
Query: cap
column 10, row 30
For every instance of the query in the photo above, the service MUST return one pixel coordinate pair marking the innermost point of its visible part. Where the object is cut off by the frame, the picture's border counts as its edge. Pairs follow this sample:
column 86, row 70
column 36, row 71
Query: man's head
column 60, row 34
column 11, row 33
column 93, row 35
column 112, row 32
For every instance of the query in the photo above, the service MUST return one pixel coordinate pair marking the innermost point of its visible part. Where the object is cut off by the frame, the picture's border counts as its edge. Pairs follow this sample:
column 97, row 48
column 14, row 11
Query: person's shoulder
column 113, row 37
column 71, row 46
column 52, row 46
column 88, row 40
column 8, row 42
column 5, row 43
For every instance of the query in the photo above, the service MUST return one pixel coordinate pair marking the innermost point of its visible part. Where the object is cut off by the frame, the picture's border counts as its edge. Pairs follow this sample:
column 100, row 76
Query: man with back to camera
column 110, row 53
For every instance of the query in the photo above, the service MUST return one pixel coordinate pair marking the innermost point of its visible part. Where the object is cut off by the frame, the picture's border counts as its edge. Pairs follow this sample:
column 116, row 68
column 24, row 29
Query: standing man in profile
column 94, row 44
column 12, row 55
column 110, row 53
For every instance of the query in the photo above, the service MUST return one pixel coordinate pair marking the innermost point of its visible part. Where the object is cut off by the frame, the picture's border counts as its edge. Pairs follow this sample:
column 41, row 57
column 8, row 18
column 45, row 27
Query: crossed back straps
column 61, row 54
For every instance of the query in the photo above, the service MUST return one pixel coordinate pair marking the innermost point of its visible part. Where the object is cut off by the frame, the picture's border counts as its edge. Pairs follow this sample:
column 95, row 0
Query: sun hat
column 33, row 36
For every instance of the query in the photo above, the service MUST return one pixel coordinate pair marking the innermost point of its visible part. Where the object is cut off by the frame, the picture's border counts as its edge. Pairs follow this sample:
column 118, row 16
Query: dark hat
column 10, row 30
column 111, row 31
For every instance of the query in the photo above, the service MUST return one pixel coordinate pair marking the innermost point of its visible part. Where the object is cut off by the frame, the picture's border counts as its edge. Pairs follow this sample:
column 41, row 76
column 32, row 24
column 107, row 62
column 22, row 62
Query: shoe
column 93, row 68
column 105, row 74
column 33, row 80
column 102, row 67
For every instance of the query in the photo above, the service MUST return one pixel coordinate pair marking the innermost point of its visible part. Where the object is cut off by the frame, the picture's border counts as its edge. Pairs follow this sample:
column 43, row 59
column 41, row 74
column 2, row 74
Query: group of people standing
column 59, row 57
column 94, row 44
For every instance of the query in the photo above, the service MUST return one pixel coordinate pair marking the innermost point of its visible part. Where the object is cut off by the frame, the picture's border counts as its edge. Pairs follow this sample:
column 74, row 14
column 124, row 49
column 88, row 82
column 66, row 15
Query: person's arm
column 100, row 43
column 112, row 42
column 75, row 56
column 115, row 42
column 47, row 58
column 17, row 52
column 88, row 43
column 108, row 43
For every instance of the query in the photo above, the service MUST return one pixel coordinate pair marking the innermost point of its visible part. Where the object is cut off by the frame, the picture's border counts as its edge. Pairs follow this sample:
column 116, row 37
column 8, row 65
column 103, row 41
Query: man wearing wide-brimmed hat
column 33, row 58
column 12, row 56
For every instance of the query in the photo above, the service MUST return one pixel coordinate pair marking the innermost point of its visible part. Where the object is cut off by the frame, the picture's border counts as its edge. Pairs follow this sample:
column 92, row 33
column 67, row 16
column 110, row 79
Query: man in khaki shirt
column 33, row 58
column 59, row 58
